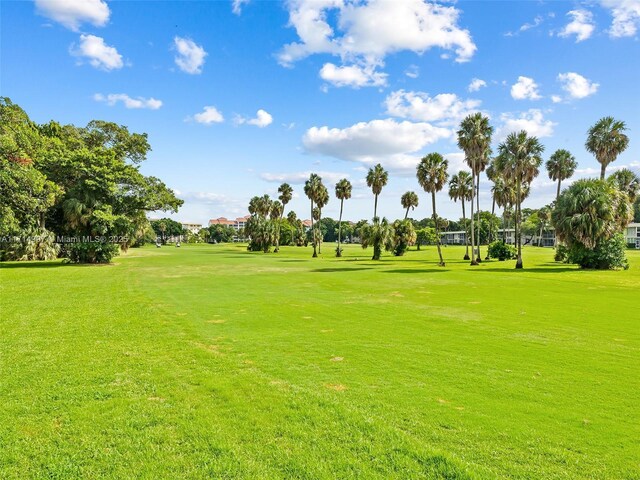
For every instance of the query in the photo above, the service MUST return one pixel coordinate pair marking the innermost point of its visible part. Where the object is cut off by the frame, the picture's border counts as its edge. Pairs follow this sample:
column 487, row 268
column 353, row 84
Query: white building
column 192, row 227
column 632, row 234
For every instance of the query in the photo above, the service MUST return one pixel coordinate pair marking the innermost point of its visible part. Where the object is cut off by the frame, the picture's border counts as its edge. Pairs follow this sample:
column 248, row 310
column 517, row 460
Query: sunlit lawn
column 210, row 361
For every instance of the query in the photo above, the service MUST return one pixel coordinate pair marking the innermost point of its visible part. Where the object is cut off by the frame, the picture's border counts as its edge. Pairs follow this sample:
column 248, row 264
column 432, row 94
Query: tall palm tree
column 432, row 176
column 409, row 200
column 519, row 160
column 606, row 141
column 460, row 189
column 343, row 192
column 628, row 182
column 311, row 190
column 482, row 165
column 474, row 138
column 321, row 200
column 377, row 178
column 286, row 194
column 561, row 166
column 500, row 194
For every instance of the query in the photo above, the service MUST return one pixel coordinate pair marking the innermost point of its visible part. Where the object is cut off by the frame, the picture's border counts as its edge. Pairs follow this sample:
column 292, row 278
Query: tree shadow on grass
column 532, row 269
column 34, row 264
column 417, row 270
column 338, row 269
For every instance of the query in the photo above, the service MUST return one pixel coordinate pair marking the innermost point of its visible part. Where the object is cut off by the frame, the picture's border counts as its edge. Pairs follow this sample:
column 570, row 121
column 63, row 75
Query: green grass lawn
column 213, row 362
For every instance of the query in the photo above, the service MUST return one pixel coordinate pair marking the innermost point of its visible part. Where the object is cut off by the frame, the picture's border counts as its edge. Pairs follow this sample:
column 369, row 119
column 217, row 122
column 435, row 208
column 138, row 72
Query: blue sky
column 238, row 96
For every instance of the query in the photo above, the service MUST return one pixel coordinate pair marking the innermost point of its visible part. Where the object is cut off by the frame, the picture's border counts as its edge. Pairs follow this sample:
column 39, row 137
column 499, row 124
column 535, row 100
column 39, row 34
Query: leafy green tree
column 286, row 194
column 460, row 188
column 544, row 215
column 426, row 236
column 403, row 235
column 377, row 178
column 409, row 200
column 589, row 217
column 606, row 140
column 260, row 228
column 561, row 166
column 343, row 192
column 474, row 138
column 519, row 161
column 166, row 228
column 626, row 181
column 432, row 177
column 379, row 235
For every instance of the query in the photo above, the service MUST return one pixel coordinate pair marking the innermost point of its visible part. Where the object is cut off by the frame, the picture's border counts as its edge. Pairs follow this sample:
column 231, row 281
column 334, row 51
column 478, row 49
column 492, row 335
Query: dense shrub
column 502, row 251
column 607, row 255
column 404, row 235
column 562, row 253
column 38, row 244
column 91, row 252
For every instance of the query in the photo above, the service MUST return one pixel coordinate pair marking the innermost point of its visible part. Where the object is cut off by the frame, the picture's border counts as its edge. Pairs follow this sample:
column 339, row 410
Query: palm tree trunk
column 277, row 249
column 504, row 225
column 603, row 169
column 319, row 231
column 435, row 221
column 518, row 236
column 478, row 214
column 540, row 237
column 406, row 213
column 473, row 241
column 493, row 212
column 466, row 240
column 313, row 233
column 375, row 208
column 339, row 251
column 558, row 192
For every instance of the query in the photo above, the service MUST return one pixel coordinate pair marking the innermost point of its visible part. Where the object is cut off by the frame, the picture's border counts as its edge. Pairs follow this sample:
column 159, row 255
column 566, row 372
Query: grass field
column 213, row 362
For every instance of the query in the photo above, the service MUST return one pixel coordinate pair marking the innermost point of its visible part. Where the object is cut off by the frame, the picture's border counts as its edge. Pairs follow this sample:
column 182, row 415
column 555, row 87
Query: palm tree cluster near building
column 511, row 171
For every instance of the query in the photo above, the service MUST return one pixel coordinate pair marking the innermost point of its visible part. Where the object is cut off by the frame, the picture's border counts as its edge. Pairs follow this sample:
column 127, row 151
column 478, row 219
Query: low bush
column 607, row 255
column 502, row 251
column 90, row 252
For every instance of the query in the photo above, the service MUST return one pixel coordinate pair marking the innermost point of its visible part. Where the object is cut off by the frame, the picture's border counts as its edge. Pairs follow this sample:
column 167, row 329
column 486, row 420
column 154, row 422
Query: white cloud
column 99, row 54
column 236, row 6
column 261, row 120
column 72, row 13
column 138, row 102
column 532, row 121
column 301, row 177
column 190, row 56
column 576, row 85
column 352, row 76
column 386, row 141
column 525, row 88
column 445, row 108
column 626, row 17
column 413, row 71
column 582, row 25
column 209, row 115
column 527, row 26
column 365, row 33
column 476, row 84
column 556, row 98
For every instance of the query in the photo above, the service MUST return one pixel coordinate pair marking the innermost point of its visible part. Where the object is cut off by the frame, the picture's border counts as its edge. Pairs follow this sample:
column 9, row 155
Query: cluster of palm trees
column 511, row 171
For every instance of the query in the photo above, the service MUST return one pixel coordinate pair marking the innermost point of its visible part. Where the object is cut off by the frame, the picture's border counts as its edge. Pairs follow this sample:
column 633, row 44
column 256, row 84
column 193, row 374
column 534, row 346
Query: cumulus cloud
column 352, row 76
column 73, row 13
column 532, row 121
column 301, row 177
column 366, row 32
column 556, row 98
column 190, row 56
column 99, row 54
column 236, row 6
column 386, row 141
column 138, row 102
column 261, row 120
column 581, row 25
column 626, row 17
column 447, row 109
column 209, row 115
column 576, row 85
column 476, row 84
column 525, row 89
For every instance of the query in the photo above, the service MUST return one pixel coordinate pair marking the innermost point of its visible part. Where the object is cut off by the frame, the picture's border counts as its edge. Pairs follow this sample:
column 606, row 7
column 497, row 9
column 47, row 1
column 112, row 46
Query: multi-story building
column 238, row 223
column 192, row 227
column 632, row 234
